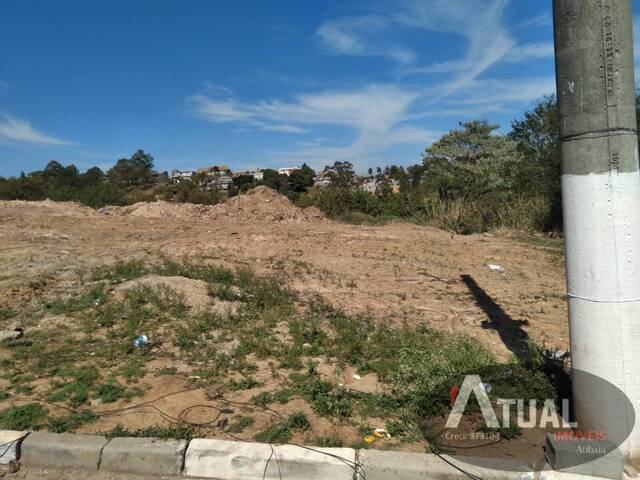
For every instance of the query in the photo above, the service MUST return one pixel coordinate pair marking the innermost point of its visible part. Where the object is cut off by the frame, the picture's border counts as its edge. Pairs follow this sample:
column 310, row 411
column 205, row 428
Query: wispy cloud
column 377, row 114
column 15, row 129
column 481, row 22
column 363, row 35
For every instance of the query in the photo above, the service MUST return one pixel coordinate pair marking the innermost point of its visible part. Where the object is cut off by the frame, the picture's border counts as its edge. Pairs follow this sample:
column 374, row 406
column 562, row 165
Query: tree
column 342, row 175
column 244, row 182
column 273, row 179
column 93, row 176
column 470, row 162
column 538, row 138
column 301, row 180
column 132, row 171
column 370, row 171
column 538, row 132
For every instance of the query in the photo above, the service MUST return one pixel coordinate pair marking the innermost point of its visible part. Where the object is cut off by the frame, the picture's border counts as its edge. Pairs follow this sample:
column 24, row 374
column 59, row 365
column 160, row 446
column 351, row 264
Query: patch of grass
column 327, row 400
column 225, row 292
column 166, row 371
column 328, row 442
column 246, row 383
column 283, row 431
column 91, row 298
column 179, row 431
column 69, row 423
column 75, row 392
column 262, row 399
column 110, row 392
column 121, row 271
column 132, row 371
column 241, row 422
column 7, row 313
column 23, row 417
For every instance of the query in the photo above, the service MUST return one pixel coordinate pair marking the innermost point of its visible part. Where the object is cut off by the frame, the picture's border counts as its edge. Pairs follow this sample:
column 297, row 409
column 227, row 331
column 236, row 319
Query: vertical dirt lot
column 399, row 274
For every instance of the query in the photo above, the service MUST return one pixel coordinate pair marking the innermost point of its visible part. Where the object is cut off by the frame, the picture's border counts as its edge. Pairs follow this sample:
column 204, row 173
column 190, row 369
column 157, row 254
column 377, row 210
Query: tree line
column 472, row 179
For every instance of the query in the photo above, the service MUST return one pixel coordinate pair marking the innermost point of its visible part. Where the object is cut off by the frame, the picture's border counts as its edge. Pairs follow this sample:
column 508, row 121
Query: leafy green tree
column 537, row 134
column 132, row 171
column 244, row 182
column 301, row 180
column 342, row 174
column 273, row 179
column 471, row 162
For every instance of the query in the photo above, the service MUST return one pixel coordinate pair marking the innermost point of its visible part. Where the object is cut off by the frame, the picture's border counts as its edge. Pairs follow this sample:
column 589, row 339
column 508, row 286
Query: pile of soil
column 261, row 204
column 194, row 293
column 51, row 208
column 162, row 209
column 266, row 205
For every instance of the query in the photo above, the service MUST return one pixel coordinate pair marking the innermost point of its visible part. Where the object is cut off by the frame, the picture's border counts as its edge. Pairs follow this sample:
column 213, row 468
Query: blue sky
column 260, row 83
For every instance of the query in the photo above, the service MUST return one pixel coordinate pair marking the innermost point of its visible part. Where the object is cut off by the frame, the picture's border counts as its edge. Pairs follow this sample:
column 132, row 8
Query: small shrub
column 23, row 417
column 69, row 423
column 241, row 422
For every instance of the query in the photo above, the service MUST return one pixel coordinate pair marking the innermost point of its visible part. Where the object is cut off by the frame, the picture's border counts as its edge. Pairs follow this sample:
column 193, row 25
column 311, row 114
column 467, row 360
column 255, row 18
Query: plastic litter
column 141, row 341
column 495, row 268
column 487, row 387
column 381, row 433
column 378, row 433
column 356, row 376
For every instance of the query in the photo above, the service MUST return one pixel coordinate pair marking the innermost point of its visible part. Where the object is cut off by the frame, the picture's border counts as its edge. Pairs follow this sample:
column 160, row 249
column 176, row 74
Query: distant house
column 215, row 170
column 287, row 170
column 258, row 174
column 178, row 176
column 322, row 179
column 369, row 185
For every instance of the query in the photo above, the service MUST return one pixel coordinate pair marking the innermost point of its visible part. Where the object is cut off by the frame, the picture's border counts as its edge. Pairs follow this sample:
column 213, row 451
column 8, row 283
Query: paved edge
column 231, row 460
column 62, row 450
column 144, row 456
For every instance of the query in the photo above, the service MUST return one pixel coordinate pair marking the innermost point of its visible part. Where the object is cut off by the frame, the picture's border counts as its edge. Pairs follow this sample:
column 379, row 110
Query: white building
column 369, row 185
column 180, row 175
column 258, row 174
column 323, row 179
column 287, row 170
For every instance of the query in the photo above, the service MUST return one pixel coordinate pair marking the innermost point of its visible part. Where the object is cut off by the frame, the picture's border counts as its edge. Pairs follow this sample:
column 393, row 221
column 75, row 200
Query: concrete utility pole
column 601, row 205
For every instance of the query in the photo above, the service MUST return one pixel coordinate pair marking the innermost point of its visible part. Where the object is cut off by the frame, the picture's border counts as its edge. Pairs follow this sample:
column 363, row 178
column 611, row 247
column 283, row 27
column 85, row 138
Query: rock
column 7, row 336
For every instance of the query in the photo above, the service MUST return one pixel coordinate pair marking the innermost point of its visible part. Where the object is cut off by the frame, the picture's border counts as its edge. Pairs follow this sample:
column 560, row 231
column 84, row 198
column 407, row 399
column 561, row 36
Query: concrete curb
column 62, row 450
column 144, row 456
column 229, row 460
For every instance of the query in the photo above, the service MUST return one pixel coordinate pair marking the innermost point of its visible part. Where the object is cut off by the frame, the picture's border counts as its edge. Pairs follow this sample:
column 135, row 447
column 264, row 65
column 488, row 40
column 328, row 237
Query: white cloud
column 377, row 114
column 530, row 51
column 498, row 92
column 362, row 35
column 15, row 129
column 480, row 22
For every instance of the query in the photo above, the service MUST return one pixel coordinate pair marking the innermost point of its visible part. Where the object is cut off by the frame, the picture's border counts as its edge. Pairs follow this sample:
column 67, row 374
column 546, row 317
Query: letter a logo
column 472, row 383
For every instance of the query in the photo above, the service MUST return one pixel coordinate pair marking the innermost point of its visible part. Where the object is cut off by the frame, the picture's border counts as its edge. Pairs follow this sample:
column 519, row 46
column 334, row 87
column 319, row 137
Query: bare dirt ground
column 398, row 273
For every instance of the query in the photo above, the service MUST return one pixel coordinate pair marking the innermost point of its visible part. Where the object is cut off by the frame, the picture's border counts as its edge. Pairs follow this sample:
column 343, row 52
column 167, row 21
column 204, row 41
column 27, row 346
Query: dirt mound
column 266, row 205
column 162, row 209
column 195, row 293
column 261, row 204
column 58, row 209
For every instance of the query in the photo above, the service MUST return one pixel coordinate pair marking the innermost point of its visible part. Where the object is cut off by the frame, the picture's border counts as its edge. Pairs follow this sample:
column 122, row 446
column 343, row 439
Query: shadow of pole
column 511, row 332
